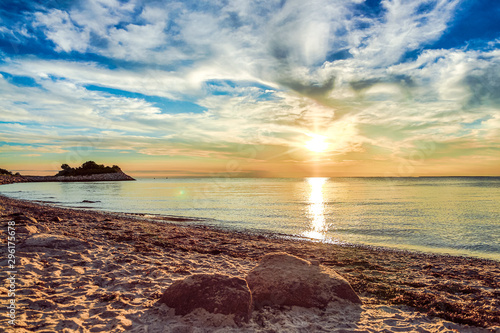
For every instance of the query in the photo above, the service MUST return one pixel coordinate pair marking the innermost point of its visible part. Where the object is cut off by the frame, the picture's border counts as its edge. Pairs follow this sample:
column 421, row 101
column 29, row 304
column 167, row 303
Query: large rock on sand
column 54, row 241
column 281, row 279
column 215, row 293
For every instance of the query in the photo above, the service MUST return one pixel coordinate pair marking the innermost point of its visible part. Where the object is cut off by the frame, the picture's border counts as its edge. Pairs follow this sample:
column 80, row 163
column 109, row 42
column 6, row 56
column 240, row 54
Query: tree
column 87, row 168
column 5, row 172
column 90, row 165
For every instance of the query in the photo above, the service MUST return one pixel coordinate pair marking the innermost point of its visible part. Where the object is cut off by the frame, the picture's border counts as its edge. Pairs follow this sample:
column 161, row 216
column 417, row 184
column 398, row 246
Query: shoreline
column 192, row 222
column 464, row 290
column 214, row 223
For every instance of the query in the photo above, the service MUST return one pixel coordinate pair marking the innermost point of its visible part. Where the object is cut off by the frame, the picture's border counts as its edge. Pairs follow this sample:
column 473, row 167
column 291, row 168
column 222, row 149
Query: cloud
column 146, row 81
column 264, row 74
column 28, row 148
column 405, row 26
column 61, row 30
column 79, row 28
column 484, row 83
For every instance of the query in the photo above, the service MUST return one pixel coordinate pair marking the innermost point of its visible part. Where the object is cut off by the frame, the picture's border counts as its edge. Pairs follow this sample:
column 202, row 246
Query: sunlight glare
column 317, row 143
column 316, row 209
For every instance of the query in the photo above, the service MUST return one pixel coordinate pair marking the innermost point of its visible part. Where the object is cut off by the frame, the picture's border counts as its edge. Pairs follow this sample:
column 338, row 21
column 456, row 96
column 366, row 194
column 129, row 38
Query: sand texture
column 84, row 271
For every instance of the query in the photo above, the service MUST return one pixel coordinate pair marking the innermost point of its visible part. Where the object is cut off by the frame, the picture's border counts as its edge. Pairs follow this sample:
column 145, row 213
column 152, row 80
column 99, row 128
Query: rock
column 281, row 279
column 56, row 219
column 215, row 293
column 27, row 229
column 42, row 229
column 115, row 176
column 54, row 241
column 23, row 219
column 314, row 262
column 41, row 304
column 9, row 179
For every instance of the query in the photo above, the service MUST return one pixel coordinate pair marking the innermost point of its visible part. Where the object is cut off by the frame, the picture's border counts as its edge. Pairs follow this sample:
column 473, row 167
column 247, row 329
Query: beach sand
column 86, row 271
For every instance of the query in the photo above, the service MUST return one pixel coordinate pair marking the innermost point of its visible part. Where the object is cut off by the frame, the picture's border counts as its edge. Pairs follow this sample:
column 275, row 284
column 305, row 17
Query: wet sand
column 114, row 268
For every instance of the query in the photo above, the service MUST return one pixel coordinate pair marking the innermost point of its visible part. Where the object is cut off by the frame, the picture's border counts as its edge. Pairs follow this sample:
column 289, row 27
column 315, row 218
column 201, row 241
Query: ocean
column 453, row 215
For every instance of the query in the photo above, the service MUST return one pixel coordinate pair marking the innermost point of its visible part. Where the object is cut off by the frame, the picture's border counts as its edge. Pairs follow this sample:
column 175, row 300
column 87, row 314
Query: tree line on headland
column 87, row 168
column 88, row 171
column 8, row 173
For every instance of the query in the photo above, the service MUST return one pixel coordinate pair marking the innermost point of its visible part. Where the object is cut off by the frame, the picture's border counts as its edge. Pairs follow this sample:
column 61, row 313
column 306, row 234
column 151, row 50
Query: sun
column 317, row 143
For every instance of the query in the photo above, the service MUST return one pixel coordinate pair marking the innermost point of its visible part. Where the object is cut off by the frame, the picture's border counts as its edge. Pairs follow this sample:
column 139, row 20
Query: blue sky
column 394, row 87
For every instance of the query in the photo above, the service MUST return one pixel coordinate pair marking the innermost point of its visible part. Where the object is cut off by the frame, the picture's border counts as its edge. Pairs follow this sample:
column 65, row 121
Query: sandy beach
column 87, row 271
column 250, row 166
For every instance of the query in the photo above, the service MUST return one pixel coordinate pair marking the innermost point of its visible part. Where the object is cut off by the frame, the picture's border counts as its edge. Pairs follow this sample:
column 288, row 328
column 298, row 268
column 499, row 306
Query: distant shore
column 459, row 289
column 116, row 176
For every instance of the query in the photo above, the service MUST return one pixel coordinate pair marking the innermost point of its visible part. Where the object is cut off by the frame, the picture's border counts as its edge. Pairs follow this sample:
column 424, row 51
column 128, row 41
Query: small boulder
column 281, row 279
column 216, row 293
column 56, row 219
column 54, row 241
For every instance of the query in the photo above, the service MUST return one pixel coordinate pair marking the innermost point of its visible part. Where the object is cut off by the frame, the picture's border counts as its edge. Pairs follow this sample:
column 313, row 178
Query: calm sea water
column 459, row 216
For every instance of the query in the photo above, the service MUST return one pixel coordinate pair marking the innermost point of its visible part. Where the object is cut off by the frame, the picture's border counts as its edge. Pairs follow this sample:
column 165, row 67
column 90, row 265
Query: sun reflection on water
column 316, row 209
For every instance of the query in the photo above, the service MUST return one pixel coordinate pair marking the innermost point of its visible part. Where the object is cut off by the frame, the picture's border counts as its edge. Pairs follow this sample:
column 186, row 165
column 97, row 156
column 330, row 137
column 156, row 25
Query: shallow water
column 456, row 215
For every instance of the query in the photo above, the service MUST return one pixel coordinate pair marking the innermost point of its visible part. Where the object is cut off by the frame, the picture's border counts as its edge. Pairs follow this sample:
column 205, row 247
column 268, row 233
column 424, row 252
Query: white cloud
column 146, row 81
column 62, row 31
column 403, row 28
column 367, row 99
column 64, row 103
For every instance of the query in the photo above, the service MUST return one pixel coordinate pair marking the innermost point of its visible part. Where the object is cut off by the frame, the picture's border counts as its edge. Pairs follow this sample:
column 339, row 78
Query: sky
column 391, row 88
